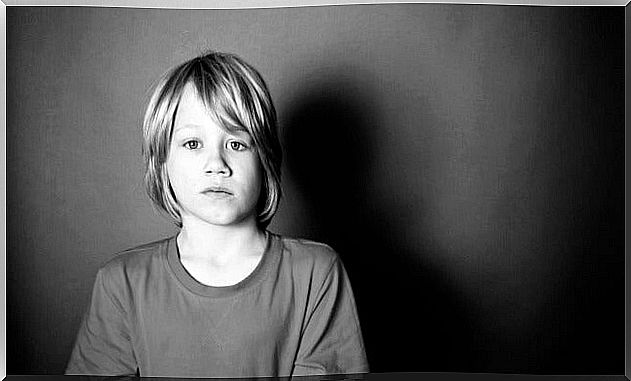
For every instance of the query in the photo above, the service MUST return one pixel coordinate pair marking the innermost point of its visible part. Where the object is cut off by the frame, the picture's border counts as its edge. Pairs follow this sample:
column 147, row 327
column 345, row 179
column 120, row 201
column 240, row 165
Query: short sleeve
column 103, row 345
column 331, row 341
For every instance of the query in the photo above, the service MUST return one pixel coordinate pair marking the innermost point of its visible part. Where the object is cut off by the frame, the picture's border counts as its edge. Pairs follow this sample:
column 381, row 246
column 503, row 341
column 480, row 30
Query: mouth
column 217, row 191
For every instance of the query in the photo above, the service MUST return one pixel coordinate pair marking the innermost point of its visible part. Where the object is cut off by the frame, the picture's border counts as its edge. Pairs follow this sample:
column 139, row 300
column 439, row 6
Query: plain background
column 467, row 163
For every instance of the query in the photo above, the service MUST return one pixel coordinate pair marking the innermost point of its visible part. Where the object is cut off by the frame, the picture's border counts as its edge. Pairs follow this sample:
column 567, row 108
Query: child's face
column 215, row 173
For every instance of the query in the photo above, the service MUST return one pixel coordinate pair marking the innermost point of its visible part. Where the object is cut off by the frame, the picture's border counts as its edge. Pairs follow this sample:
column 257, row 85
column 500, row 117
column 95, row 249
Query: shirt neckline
column 260, row 272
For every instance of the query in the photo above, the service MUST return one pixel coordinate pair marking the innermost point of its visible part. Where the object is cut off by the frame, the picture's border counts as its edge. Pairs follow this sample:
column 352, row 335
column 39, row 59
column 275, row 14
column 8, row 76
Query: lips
column 217, row 191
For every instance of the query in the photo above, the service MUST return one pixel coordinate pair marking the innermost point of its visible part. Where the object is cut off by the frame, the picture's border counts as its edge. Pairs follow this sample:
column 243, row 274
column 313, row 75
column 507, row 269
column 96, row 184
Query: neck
column 221, row 244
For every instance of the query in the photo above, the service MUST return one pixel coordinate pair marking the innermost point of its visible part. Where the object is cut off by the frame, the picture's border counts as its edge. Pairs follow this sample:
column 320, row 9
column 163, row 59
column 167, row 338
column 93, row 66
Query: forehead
column 191, row 107
column 193, row 111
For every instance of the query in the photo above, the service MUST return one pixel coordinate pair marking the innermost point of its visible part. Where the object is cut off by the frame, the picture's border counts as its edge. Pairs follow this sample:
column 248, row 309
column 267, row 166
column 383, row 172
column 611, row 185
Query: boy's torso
column 181, row 328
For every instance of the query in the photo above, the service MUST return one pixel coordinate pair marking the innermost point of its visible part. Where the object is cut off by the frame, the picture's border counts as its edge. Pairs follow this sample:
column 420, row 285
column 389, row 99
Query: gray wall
column 466, row 162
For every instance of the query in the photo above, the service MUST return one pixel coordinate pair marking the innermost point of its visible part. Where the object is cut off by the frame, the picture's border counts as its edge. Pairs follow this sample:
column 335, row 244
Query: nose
column 216, row 163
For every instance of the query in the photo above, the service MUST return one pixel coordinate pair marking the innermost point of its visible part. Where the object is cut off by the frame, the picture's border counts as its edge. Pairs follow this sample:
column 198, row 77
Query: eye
column 192, row 144
column 237, row 146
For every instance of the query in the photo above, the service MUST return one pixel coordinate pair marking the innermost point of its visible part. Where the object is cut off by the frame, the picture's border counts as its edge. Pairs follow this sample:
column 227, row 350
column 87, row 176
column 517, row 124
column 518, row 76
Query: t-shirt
column 293, row 315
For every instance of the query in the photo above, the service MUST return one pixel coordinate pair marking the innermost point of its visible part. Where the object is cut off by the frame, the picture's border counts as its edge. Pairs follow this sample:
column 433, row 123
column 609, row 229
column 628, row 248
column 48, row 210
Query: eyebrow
column 177, row 128
column 237, row 131
column 233, row 130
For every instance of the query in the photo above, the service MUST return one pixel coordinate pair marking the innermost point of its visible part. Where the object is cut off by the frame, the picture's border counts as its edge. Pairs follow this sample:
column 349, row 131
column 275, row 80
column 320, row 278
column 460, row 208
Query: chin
column 219, row 216
column 228, row 219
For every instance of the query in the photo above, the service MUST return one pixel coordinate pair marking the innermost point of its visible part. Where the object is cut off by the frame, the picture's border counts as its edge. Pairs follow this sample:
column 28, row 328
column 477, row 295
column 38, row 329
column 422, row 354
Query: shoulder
column 134, row 262
column 305, row 255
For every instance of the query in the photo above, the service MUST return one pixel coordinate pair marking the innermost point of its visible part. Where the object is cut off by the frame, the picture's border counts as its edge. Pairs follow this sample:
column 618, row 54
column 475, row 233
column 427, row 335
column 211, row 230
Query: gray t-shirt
column 293, row 315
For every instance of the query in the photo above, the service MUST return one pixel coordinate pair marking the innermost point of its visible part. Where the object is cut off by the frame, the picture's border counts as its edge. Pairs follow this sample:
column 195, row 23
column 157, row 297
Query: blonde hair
column 238, row 99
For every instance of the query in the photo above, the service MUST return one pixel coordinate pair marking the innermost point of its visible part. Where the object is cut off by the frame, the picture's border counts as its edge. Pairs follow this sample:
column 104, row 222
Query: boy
column 224, row 297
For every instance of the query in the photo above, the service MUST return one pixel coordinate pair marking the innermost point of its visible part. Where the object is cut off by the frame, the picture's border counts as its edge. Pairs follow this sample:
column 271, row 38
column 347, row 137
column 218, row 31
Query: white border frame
column 238, row 4
column 248, row 4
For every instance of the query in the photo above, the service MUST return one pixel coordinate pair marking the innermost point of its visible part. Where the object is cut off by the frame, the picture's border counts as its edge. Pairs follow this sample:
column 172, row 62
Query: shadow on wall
column 412, row 319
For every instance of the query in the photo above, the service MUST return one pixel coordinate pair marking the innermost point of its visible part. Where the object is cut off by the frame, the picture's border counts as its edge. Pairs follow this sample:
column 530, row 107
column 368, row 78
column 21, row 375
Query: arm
column 331, row 341
column 103, row 345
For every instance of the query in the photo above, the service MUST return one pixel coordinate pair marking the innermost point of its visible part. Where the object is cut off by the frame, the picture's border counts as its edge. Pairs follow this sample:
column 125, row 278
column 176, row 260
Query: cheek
column 178, row 172
column 255, row 179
